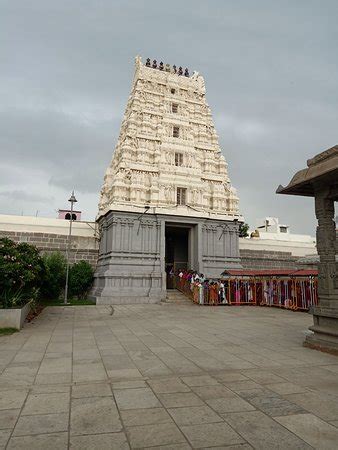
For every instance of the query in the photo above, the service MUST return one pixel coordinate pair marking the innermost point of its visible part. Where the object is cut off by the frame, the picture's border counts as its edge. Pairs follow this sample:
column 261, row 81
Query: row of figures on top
column 167, row 68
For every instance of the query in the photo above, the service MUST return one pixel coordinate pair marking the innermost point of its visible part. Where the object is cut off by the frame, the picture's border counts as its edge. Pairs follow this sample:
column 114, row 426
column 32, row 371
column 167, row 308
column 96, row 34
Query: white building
column 270, row 235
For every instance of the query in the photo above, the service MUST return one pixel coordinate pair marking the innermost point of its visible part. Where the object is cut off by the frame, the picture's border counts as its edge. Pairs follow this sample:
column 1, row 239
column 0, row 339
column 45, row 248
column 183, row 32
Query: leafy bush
column 54, row 277
column 80, row 279
column 21, row 268
column 243, row 230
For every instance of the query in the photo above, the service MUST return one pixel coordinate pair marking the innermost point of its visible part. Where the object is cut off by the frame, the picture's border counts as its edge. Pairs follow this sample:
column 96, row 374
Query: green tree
column 54, row 277
column 21, row 268
column 80, row 279
column 243, row 230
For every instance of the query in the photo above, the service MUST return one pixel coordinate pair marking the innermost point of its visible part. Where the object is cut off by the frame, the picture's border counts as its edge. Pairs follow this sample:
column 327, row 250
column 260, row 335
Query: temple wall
column 50, row 235
column 131, row 263
column 265, row 259
column 138, row 250
column 129, row 267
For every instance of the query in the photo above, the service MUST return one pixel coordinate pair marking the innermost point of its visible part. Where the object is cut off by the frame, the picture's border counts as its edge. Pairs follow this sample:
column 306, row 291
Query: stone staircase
column 175, row 296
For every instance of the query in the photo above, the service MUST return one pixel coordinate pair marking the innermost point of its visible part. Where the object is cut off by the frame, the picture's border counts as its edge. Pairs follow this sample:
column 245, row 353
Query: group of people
column 167, row 68
column 202, row 290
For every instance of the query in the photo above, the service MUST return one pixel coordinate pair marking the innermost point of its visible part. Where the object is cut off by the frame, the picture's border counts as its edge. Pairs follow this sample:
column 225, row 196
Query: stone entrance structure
column 320, row 180
column 167, row 198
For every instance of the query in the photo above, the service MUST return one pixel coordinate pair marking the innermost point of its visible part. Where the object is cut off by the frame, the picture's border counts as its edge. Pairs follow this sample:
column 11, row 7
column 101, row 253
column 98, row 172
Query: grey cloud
column 26, row 196
column 270, row 70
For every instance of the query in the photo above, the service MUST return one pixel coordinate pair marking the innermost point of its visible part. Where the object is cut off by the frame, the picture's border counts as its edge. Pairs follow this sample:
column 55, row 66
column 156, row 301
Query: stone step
column 175, row 296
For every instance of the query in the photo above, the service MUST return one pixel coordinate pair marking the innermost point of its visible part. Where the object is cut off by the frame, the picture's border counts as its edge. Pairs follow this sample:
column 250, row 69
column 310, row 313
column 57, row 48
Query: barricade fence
column 295, row 292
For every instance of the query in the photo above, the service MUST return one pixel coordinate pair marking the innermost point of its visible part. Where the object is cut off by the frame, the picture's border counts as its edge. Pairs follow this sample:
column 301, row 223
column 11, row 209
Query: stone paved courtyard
column 173, row 376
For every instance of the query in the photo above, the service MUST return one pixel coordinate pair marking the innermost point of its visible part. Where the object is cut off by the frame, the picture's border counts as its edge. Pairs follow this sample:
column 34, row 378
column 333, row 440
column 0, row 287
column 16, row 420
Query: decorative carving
column 146, row 146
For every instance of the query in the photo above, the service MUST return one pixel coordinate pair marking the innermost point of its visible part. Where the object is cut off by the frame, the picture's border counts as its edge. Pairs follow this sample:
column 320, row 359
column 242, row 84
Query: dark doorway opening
column 176, row 251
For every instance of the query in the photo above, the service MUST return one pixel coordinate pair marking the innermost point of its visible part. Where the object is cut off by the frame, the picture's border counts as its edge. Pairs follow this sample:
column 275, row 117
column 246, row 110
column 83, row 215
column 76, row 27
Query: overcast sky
column 66, row 69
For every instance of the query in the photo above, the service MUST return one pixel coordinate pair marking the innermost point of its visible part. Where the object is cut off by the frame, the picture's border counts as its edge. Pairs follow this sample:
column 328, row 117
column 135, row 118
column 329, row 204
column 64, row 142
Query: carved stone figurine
column 180, row 71
column 186, row 73
column 167, row 68
column 161, row 67
column 174, row 68
column 148, row 64
column 154, row 64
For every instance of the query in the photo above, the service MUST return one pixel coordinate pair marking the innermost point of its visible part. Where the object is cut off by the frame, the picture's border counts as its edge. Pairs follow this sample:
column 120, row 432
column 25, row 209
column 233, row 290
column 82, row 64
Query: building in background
column 269, row 228
column 167, row 201
column 65, row 214
column 272, row 245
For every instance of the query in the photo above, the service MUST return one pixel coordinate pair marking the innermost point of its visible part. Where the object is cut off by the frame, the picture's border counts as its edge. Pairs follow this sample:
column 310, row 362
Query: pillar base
column 325, row 331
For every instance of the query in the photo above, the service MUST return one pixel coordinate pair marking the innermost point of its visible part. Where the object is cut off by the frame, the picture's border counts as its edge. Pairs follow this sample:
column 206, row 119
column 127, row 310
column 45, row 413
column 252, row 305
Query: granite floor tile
column 273, row 404
column 107, row 441
column 199, row 380
column 89, row 372
column 237, row 386
column 155, row 435
column 230, row 447
column 181, row 446
column 137, row 398
column 131, row 384
column 53, row 378
column 263, row 376
column 320, row 404
column 4, row 436
column 8, row 418
column 92, row 415
column 22, row 357
column 211, row 435
column 12, row 398
column 180, row 399
column 148, row 416
column 55, row 365
column 91, row 390
column 58, row 441
column 229, row 404
column 168, row 385
column 192, row 415
column 230, row 377
column 122, row 374
column 312, row 430
column 48, row 423
column 286, row 388
column 208, row 392
column 49, row 388
column 51, row 403
column 262, row 432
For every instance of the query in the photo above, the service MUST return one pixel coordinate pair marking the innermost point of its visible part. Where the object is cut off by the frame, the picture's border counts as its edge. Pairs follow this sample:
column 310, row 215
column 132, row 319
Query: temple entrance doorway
column 176, row 251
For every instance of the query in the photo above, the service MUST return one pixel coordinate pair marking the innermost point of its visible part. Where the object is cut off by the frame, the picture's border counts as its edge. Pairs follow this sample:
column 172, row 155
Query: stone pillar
column 325, row 315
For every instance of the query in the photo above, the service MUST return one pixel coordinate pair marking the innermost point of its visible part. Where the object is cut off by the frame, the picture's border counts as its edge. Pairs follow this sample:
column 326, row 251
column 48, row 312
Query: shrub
column 243, row 230
column 54, row 276
column 21, row 268
column 80, row 279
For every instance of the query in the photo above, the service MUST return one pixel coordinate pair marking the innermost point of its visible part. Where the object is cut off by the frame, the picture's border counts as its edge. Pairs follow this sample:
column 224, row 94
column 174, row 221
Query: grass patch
column 71, row 302
column 5, row 331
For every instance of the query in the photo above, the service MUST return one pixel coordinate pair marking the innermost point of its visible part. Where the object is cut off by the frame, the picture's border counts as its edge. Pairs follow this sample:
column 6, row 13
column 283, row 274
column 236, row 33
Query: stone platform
column 176, row 376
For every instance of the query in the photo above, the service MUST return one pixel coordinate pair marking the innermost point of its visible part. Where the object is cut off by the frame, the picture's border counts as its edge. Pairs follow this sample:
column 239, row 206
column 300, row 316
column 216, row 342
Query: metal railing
column 289, row 292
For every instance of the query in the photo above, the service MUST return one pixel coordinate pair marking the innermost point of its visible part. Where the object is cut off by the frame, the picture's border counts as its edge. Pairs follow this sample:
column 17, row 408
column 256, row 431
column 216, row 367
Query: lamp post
column 72, row 200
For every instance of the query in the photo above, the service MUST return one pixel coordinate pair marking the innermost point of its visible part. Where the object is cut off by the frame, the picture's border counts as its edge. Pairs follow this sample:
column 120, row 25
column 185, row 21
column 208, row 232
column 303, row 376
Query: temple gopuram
column 167, row 202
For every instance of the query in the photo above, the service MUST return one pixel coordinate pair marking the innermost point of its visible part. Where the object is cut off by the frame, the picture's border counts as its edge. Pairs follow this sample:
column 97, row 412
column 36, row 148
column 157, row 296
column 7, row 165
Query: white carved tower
column 167, row 155
column 166, row 201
